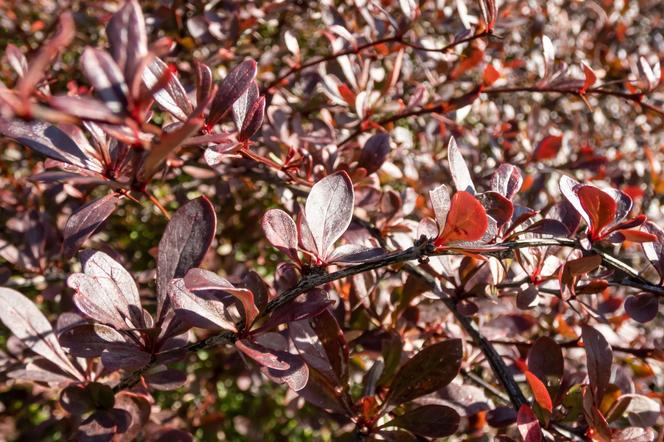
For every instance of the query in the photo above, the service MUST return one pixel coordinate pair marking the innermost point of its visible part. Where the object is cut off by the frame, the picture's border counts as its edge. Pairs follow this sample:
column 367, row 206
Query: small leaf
column 186, row 239
column 599, row 358
column 545, row 360
column 589, row 80
column 107, row 79
column 428, row 421
column 548, row 148
column 374, row 152
column 540, row 393
column 253, row 120
column 507, row 180
column 466, row 220
column 205, row 309
column 128, row 38
column 440, row 201
column 85, row 222
column 429, row 370
column 600, row 207
column 329, row 210
column 230, row 89
column 281, row 231
column 528, row 425
column 166, row 380
column 459, row 169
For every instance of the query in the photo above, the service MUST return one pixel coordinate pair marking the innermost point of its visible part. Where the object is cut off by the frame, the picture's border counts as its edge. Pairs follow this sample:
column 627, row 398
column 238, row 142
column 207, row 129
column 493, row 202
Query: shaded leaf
column 107, row 79
column 374, row 152
column 85, row 222
column 642, row 307
column 548, row 148
column 599, row 358
column 230, row 89
column 428, row 420
column 172, row 97
column 528, row 425
column 507, row 180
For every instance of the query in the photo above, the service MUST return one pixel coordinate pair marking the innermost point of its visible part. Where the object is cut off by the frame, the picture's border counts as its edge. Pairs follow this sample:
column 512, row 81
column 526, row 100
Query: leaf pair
column 328, row 212
column 604, row 212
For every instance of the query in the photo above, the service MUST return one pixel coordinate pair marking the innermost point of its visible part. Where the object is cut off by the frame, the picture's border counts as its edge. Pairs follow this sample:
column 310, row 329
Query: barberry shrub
column 389, row 220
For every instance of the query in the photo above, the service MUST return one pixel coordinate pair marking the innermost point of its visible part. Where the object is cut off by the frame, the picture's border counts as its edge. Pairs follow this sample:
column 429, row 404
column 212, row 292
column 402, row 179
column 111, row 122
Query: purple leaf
column 204, row 309
column 166, row 380
column 440, row 202
column 329, row 210
column 429, row 370
column 459, row 169
column 85, row 222
column 642, row 307
column 564, row 212
column 295, row 376
column 28, row 324
column 49, row 140
column 230, row 89
column 528, row 425
column 106, row 77
column 545, row 360
column 128, row 38
column 655, row 250
column 305, row 306
column 507, row 180
column 569, row 188
column 253, row 121
column 91, row 340
column 354, row 253
column 321, row 392
column 281, row 232
column 199, row 279
column 428, row 420
column 85, row 108
column 16, row 59
column 171, row 97
column 243, row 105
column 203, row 82
column 262, row 355
column 101, row 300
column 547, row 227
column 374, row 153
column 186, row 239
column 599, row 358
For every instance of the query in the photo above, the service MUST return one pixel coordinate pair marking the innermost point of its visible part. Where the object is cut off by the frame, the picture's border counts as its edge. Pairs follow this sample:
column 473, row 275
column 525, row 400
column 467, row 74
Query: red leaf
column 637, row 236
column 590, row 78
column 347, row 94
column 548, row 148
column 600, row 207
column 540, row 393
column 466, row 220
column 490, row 75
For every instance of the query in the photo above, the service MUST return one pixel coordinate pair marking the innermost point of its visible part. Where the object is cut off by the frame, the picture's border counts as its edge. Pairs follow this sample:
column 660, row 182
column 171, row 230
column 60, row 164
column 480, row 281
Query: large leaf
column 428, row 420
column 30, row 325
column 204, row 309
column 100, row 265
column 466, row 220
column 128, row 38
column 329, row 210
column 600, row 207
column 231, row 88
column 459, row 169
column 599, row 357
column 101, row 299
column 85, row 222
column 186, row 239
column 429, row 370
column 50, row 141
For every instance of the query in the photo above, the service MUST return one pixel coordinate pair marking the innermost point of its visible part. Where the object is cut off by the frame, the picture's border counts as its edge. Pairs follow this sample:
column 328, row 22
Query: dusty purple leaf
column 507, row 180
column 440, row 202
column 49, row 140
column 304, row 306
column 497, row 206
column 253, row 121
column 428, row 420
column 374, row 152
column 91, row 340
column 329, row 210
column 547, row 227
column 106, row 77
column 199, row 279
column 281, row 232
column 128, row 38
column 459, row 169
column 321, row 392
column 569, row 188
column 171, row 97
column 85, row 222
column 28, row 324
column 501, row 417
column 262, row 355
column 599, row 358
column 545, row 360
column 429, row 370
column 166, row 380
column 230, row 89
column 642, row 307
column 204, row 309
column 295, row 376
column 354, row 253
column 203, row 82
column 243, row 105
column 186, row 239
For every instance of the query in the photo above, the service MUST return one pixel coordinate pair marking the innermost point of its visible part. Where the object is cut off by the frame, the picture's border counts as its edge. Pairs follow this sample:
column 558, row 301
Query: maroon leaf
column 599, row 358
column 497, row 206
column 243, row 105
column 186, row 239
column 29, row 325
column 429, row 421
column 321, row 392
column 600, row 207
column 199, row 279
column 166, row 380
column 305, row 306
column 528, row 425
column 507, row 180
column 171, row 97
column 459, row 169
column 466, row 220
column 107, row 79
column 548, row 148
column 642, row 307
column 203, row 82
column 429, row 370
column 230, row 89
column 85, row 222
column 128, row 38
column 545, row 360
column 329, row 210
column 374, row 152
column 49, row 140
column 253, row 121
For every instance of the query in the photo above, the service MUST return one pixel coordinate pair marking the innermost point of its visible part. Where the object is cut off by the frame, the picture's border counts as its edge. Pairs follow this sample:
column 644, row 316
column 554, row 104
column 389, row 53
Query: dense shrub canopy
column 368, row 220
